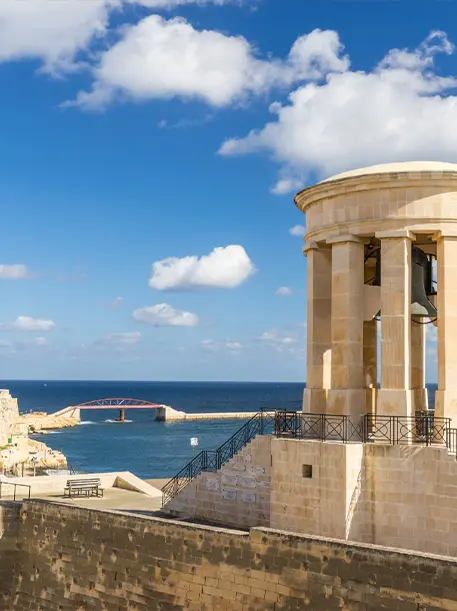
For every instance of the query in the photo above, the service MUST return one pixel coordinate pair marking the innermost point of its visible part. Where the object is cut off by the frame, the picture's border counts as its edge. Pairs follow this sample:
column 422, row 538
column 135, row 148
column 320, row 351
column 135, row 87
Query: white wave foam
column 118, row 421
column 87, row 422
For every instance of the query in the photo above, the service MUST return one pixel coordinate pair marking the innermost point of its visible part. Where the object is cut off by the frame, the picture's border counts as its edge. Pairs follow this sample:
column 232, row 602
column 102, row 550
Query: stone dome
column 392, row 168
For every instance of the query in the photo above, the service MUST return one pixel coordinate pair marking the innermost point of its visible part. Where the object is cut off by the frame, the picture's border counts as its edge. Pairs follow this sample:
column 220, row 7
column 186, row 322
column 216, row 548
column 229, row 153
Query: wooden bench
column 83, row 487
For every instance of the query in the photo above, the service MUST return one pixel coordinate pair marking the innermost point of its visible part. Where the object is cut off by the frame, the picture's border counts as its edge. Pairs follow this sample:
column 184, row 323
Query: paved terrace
column 146, row 499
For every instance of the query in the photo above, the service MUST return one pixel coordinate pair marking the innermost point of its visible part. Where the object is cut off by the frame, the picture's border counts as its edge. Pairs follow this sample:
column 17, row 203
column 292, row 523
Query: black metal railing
column 211, row 460
column 451, row 441
column 320, row 427
column 15, row 485
column 423, row 428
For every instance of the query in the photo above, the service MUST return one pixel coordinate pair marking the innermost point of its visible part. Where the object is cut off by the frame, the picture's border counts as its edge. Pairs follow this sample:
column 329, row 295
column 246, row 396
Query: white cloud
column 286, row 185
column 275, row 338
column 283, row 290
column 39, row 341
column 217, row 346
column 401, row 110
column 164, row 315
column 159, row 58
column 14, row 272
column 297, row 230
column 118, row 302
column 115, row 340
column 51, row 30
column 223, row 268
column 27, row 323
column 54, row 31
column 169, row 4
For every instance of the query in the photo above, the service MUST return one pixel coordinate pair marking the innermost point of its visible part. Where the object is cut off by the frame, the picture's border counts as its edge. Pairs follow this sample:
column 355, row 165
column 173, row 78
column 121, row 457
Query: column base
column 420, row 399
column 446, row 405
column 396, row 402
column 314, row 401
column 347, row 401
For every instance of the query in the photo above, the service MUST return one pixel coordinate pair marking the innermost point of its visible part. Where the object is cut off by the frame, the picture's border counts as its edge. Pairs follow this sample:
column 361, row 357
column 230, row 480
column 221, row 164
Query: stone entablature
column 372, row 201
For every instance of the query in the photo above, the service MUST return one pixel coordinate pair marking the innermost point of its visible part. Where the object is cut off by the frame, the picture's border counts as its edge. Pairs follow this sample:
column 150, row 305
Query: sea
column 147, row 448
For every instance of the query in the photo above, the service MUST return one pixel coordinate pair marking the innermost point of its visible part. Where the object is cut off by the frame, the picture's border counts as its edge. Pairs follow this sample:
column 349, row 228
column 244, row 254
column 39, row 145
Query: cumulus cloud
column 116, row 340
column 14, row 272
column 297, row 230
column 283, row 290
column 212, row 345
column 164, row 315
column 27, row 323
column 159, row 59
column 50, row 30
column 401, row 110
column 223, row 268
column 55, row 31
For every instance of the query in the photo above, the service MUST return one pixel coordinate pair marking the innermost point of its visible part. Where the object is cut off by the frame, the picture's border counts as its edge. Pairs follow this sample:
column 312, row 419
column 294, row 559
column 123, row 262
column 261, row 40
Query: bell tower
column 381, row 244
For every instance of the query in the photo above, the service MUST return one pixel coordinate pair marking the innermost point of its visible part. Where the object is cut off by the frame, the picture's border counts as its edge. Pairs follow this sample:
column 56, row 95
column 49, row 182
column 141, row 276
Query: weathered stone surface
column 60, row 558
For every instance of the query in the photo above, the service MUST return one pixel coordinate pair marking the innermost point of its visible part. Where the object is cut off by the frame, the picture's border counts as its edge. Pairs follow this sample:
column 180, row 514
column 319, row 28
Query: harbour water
column 143, row 446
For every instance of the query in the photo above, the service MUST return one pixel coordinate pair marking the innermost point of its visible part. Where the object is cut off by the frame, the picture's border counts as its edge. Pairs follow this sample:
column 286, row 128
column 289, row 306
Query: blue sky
column 140, row 131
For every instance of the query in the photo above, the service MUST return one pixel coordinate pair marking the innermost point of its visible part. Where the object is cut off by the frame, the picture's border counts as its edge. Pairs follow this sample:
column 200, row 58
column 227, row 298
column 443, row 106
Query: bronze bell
column 421, row 306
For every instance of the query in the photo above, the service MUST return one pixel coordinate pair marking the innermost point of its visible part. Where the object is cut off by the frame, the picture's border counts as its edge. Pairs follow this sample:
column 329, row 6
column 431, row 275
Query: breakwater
column 167, row 414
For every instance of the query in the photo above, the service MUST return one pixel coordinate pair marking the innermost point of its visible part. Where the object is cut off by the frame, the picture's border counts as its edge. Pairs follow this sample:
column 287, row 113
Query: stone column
column 318, row 327
column 370, row 357
column 446, row 395
column 347, row 394
column 418, row 339
column 395, row 397
column 370, row 363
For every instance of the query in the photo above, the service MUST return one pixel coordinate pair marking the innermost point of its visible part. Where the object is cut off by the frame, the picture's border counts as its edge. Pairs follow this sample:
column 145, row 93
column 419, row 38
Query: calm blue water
column 147, row 448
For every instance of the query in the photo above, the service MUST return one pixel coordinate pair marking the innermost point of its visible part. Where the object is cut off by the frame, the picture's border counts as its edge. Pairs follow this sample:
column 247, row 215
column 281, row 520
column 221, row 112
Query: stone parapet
column 71, row 558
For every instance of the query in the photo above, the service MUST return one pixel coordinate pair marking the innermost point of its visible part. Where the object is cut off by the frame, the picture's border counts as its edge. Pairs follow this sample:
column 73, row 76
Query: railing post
column 218, row 459
column 261, row 423
column 322, row 424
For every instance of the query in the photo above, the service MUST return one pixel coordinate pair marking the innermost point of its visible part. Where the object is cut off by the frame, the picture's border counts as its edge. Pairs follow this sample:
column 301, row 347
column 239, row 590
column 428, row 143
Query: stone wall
column 399, row 496
column 236, row 495
column 9, row 551
column 320, row 503
column 9, row 413
column 75, row 559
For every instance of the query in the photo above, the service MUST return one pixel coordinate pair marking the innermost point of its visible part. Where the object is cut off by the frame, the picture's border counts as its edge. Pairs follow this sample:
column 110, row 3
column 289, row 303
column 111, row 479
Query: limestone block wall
column 314, row 486
column 398, row 496
column 9, row 551
column 74, row 559
column 9, row 412
column 236, row 495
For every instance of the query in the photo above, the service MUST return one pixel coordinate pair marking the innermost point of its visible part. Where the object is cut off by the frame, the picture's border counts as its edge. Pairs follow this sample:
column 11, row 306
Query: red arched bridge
column 118, row 403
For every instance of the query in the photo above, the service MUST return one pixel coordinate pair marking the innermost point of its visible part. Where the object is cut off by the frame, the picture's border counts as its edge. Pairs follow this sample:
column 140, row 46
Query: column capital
column 450, row 234
column 346, row 237
column 309, row 246
column 312, row 246
column 396, row 233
